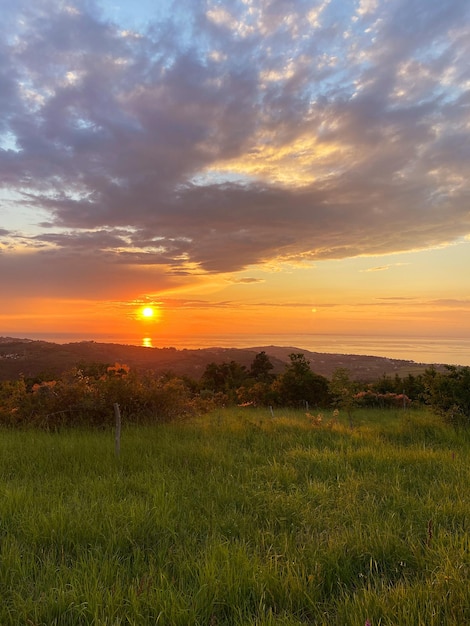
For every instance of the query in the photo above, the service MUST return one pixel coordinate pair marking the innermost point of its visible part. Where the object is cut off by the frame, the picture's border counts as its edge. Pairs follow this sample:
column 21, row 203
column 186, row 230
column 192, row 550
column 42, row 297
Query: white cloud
column 367, row 6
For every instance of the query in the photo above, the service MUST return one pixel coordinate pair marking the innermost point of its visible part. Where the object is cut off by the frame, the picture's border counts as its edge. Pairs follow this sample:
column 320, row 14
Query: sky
column 242, row 166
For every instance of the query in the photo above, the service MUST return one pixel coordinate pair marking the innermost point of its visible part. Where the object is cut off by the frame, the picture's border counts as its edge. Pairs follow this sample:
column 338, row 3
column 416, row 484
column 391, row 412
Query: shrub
column 449, row 393
column 299, row 385
column 76, row 399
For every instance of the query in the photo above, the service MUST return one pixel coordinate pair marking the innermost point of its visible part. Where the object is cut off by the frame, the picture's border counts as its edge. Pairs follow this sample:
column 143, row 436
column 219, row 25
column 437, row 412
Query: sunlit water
column 420, row 349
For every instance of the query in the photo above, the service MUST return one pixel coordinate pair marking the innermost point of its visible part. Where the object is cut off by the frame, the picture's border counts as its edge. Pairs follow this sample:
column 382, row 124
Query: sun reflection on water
column 147, row 342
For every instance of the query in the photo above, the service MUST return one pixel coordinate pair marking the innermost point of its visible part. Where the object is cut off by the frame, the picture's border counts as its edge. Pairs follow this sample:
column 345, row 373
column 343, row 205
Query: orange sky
column 266, row 168
column 351, row 296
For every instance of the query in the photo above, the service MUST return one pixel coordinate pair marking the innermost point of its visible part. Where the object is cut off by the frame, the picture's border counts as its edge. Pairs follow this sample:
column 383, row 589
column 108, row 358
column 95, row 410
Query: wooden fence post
column 117, row 440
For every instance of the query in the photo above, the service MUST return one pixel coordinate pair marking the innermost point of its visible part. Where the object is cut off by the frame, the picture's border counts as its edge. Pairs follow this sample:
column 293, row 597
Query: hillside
column 29, row 358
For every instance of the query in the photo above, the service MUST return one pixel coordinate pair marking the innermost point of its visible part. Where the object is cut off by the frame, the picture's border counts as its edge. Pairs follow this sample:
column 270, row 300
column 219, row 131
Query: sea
column 449, row 350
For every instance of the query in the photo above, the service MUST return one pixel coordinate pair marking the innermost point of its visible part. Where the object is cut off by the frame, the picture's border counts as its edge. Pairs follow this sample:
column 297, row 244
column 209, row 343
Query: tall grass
column 238, row 518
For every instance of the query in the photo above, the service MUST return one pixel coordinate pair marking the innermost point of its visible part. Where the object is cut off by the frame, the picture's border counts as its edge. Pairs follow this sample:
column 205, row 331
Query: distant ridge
column 29, row 358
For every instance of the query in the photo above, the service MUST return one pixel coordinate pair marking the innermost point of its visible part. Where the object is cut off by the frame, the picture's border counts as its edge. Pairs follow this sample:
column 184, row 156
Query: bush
column 449, row 394
column 299, row 385
column 79, row 400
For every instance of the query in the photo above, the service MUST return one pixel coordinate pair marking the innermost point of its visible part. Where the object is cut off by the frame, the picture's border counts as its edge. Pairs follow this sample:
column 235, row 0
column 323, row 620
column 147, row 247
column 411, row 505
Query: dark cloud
column 215, row 140
column 66, row 273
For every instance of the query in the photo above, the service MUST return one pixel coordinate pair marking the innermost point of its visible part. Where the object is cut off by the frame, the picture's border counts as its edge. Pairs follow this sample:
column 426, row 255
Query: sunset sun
column 147, row 312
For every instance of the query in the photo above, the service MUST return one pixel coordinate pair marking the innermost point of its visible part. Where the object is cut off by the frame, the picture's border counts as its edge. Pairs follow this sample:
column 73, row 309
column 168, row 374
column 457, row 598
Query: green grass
column 238, row 518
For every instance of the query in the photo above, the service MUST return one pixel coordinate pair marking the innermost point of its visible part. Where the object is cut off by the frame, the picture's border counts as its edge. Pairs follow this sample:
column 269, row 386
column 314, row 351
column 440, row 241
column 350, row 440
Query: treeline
column 86, row 394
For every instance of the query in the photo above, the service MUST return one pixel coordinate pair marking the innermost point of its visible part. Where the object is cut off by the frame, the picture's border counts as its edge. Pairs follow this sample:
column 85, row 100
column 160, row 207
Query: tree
column 385, row 384
column 343, row 390
column 224, row 378
column 449, row 393
column 299, row 385
column 261, row 368
column 413, row 387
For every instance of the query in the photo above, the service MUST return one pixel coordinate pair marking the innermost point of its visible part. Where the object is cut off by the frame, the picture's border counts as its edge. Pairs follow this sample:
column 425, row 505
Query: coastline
column 451, row 350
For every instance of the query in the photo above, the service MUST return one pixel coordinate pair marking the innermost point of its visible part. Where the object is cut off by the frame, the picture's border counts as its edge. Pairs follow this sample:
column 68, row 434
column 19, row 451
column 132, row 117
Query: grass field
column 238, row 518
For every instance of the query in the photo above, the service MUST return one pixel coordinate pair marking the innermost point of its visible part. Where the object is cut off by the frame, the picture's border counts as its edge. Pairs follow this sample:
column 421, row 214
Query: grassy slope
column 238, row 518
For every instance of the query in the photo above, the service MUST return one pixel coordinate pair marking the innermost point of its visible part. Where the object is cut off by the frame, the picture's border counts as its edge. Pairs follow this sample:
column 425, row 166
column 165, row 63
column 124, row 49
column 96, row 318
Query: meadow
column 238, row 517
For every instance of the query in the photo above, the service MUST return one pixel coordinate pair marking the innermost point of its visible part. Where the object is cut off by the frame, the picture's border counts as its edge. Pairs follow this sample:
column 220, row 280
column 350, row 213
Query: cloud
column 452, row 303
column 383, row 268
column 398, row 299
column 211, row 142
column 246, row 281
column 181, row 303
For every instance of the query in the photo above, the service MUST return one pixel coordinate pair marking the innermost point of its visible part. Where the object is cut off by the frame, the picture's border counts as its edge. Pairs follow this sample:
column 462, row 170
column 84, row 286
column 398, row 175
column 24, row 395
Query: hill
column 29, row 358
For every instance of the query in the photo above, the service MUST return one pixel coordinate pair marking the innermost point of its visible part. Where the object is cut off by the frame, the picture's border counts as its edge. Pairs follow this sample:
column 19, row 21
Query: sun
column 147, row 312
